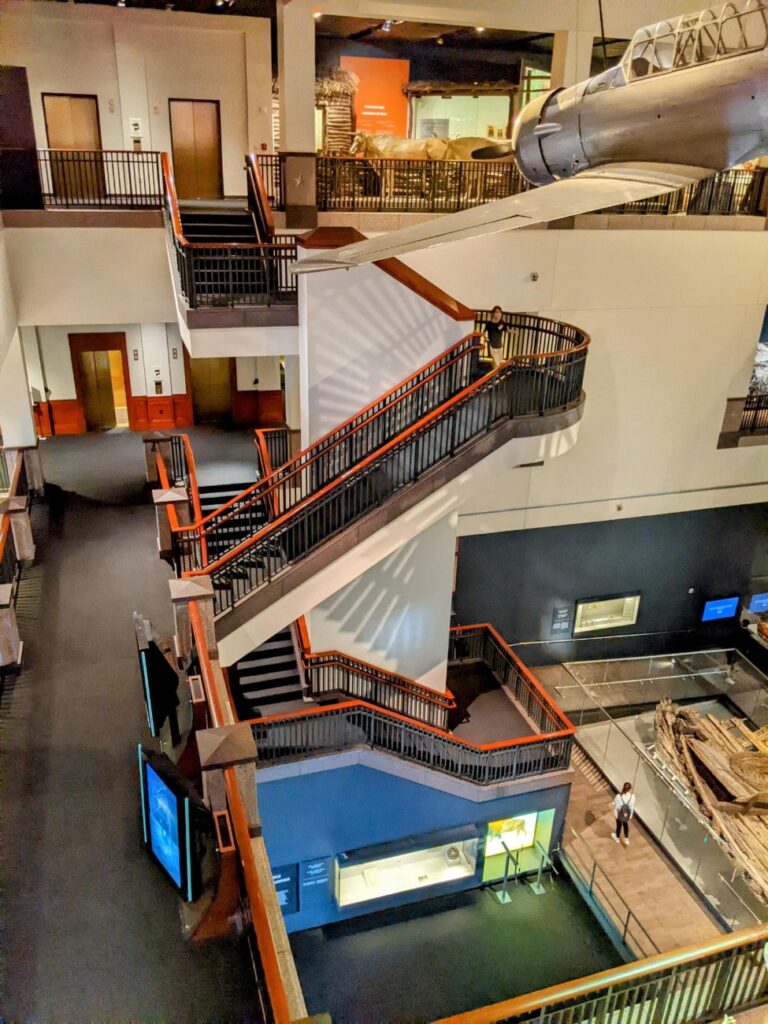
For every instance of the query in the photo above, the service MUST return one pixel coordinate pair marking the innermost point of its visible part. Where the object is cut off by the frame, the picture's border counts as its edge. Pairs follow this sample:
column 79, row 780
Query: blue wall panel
column 309, row 819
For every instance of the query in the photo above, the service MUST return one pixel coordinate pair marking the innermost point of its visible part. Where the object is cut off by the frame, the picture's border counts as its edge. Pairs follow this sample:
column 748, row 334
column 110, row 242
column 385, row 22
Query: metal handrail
column 268, row 952
column 341, row 448
column 102, row 178
column 516, row 388
column 624, row 915
column 591, row 999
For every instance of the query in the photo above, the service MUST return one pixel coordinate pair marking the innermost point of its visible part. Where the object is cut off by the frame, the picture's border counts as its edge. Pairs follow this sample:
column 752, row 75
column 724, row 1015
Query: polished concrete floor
column 449, row 955
column 90, row 927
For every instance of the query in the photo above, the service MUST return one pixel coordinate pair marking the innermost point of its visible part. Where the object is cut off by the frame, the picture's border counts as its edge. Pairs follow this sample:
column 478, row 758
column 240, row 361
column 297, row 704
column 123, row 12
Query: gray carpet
column 90, row 925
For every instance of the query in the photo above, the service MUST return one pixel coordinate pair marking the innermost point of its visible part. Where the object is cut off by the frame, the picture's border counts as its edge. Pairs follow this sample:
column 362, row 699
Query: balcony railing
column 229, row 274
column 699, row 983
column 444, row 186
column 755, row 415
column 413, row 186
column 101, row 179
column 13, row 483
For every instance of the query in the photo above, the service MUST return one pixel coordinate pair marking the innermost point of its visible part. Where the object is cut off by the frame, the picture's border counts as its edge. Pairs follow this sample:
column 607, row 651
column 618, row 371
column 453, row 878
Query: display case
column 401, row 868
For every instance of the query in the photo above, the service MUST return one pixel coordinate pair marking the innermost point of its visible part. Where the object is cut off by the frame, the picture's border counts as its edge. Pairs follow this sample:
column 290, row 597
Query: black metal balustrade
column 413, row 186
column 230, row 274
column 354, row 724
column 332, row 455
column 547, row 378
column 277, row 442
column 728, row 193
column 755, row 415
column 272, row 167
column 101, row 179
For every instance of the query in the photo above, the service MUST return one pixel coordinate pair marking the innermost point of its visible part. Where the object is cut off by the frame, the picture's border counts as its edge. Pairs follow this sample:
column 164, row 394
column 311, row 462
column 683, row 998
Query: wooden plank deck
column 649, row 884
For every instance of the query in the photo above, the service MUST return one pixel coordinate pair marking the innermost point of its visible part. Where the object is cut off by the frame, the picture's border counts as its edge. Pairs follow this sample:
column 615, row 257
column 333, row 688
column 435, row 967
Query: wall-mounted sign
column 286, row 881
column 314, row 873
column 561, row 620
column 134, row 126
column 381, row 107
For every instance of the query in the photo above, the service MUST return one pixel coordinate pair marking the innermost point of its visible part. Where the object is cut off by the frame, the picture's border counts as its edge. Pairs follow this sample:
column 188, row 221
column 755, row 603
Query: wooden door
column 98, row 398
column 196, row 145
column 211, row 390
column 72, row 124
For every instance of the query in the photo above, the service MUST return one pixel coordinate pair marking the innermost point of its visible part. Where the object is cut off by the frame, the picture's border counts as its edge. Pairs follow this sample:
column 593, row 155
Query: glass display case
column 360, row 877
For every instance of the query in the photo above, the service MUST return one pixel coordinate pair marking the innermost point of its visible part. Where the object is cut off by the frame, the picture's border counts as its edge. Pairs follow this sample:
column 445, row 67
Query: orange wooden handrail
column 303, row 459
column 162, row 475
column 422, row 424
column 5, row 528
column 277, row 995
column 541, row 694
column 632, row 972
column 266, row 461
column 260, row 191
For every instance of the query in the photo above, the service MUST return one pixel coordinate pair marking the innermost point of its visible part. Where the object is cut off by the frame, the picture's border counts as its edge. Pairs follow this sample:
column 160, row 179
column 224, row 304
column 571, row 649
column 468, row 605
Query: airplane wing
column 595, row 189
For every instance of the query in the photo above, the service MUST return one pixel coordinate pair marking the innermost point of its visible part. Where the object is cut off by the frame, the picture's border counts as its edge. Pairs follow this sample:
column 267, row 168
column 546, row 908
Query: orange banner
column 380, row 106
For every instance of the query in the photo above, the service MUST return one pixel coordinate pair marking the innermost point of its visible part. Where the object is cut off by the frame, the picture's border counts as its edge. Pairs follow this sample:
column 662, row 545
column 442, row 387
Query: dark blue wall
column 516, row 580
column 314, row 817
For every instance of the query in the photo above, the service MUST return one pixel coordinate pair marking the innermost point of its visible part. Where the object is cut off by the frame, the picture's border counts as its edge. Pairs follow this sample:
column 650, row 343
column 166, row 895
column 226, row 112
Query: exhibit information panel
column 381, row 107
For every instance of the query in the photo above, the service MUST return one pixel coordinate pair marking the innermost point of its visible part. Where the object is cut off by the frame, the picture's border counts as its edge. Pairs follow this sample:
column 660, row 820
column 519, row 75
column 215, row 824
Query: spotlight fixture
column 317, row 15
column 480, row 29
column 440, row 41
column 386, row 26
column 121, row 3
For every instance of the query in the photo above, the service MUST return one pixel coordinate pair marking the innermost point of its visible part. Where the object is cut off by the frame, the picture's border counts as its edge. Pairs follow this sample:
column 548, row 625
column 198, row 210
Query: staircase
column 212, row 497
column 267, row 680
column 224, row 226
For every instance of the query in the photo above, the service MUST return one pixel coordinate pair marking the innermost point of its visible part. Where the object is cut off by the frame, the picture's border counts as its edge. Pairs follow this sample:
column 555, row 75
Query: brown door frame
column 76, row 96
column 184, row 99
column 106, row 341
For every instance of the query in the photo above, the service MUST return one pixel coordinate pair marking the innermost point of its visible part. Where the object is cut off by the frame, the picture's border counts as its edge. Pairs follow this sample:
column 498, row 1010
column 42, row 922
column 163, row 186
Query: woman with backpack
column 623, row 809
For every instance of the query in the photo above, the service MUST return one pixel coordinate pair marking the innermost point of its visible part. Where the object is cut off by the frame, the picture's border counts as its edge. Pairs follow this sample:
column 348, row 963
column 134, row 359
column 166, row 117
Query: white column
column 296, row 76
column 17, row 422
column 397, row 614
column 571, row 57
column 292, row 393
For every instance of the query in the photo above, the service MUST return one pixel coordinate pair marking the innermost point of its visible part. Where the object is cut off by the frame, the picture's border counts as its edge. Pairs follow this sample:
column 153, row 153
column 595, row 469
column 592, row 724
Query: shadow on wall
column 368, row 334
column 387, row 612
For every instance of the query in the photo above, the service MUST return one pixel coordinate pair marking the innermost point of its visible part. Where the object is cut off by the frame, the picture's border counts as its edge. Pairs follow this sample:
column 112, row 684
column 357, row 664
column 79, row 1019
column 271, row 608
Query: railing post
column 17, row 508
column 10, row 641
column 183, row 593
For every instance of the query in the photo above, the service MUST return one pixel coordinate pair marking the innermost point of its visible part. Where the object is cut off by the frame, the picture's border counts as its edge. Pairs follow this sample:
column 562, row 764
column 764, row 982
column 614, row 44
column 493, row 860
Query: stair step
column 249, row 679
column 266, row 655
column 257, row 698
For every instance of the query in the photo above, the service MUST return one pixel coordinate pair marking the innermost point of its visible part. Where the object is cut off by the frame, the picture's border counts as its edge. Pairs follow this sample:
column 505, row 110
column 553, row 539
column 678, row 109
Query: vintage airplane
column 689, row 98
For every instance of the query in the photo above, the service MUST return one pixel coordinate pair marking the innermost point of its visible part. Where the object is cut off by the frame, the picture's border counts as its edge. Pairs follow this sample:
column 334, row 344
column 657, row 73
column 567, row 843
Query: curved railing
column 335, row 453
column 543, row 377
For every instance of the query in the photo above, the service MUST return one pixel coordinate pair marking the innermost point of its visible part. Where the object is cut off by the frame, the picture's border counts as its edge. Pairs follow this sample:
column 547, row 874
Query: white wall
column 396, row 614
column 674, row 317
column 148, row 346
column 8, row 317
column 360, row 333
column 134, row 60
column 90, row 275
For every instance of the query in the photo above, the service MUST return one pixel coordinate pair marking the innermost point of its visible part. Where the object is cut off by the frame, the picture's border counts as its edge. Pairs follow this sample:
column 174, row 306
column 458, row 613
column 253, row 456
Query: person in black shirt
column 494, row 332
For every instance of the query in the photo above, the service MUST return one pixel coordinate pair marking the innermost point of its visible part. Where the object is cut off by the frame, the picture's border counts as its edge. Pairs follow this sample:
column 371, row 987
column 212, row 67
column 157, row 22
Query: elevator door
column 211, row 396
column 72, row 123
column 196, row 145
column 98, row 397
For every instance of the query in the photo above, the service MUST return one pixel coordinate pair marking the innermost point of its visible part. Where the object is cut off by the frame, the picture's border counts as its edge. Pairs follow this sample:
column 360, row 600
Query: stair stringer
column 438, row 493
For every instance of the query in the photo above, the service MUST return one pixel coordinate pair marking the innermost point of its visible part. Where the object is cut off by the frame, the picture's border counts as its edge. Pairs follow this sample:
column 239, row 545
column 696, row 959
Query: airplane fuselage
column 713, row 114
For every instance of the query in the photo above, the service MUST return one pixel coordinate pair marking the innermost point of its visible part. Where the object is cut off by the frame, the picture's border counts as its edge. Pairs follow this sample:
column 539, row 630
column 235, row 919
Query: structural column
column 571, row 57
column 292, row 393
column 296, row 77
column 17, row 422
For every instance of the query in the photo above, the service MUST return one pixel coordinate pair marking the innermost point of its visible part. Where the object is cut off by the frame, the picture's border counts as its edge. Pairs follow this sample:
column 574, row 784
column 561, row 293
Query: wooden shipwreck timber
column 725, row 765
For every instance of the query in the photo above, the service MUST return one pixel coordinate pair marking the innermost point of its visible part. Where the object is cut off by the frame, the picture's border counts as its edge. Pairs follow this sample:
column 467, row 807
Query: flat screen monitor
column 759, row 603
column 159, row 681
column 720, row 608
column 175, row 822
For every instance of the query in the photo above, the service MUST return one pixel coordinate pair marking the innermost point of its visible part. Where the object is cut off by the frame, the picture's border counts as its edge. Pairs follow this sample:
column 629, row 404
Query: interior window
column 610, row 613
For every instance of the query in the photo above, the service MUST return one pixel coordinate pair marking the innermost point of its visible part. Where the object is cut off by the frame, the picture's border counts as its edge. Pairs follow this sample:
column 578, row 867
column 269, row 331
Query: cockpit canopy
column 723, row 31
